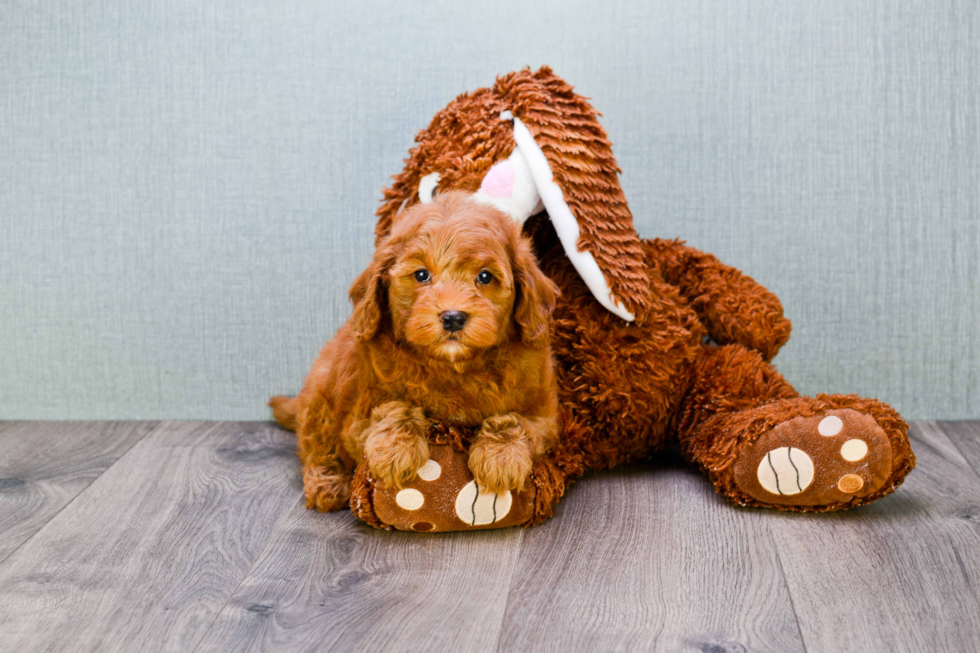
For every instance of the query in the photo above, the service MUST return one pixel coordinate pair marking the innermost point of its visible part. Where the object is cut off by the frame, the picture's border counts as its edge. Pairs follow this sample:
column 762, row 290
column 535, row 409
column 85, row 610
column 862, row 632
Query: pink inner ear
column 499, row 182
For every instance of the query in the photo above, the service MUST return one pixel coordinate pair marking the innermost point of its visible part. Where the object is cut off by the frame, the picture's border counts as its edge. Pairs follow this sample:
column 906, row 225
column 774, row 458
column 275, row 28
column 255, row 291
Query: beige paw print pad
column 828, row 458
column 430, row 471
column 785, row 471
column 854, row 450
column 410, row 499
column 444, row 497
column 478, row 508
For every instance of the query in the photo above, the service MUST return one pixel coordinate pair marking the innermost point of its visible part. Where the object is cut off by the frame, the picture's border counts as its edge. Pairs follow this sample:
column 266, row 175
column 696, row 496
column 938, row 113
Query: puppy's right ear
column 536, row 296
column 369, row 295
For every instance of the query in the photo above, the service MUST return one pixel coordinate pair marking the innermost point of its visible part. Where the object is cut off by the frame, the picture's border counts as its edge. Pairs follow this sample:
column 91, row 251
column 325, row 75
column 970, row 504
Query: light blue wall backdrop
column 187, row 188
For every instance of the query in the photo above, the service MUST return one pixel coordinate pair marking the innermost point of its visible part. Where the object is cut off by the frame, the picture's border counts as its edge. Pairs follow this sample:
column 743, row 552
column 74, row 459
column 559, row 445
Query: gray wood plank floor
column 45, row 465
column 194, row 537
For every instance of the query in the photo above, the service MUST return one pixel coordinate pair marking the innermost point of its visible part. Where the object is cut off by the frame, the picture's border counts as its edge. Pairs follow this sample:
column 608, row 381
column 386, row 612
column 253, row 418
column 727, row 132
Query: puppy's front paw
column 500, row 458
column 395, row 446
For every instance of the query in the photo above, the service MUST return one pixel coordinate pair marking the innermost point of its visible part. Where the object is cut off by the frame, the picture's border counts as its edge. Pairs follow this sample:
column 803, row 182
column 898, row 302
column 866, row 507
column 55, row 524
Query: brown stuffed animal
column 656, row 342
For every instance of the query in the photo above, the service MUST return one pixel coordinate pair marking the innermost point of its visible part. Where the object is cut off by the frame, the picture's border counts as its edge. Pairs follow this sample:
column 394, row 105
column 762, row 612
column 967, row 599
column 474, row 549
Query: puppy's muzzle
column 453, row 321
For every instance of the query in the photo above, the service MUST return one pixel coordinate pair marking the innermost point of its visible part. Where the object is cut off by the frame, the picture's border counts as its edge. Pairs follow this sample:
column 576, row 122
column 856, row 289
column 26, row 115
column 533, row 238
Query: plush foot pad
column 833, row 457
column 443, row 497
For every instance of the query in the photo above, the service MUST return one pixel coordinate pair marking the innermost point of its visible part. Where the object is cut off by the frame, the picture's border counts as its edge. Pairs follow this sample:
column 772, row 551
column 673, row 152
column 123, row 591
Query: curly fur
column 393, row 366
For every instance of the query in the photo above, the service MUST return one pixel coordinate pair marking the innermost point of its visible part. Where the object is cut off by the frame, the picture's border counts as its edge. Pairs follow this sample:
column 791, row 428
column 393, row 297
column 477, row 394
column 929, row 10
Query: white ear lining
column 521, row 200
column 427, row 186
column 561, row 217
column 532, row 190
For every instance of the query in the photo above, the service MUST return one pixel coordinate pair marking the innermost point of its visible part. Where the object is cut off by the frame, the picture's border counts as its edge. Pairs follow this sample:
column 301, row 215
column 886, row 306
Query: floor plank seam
column 663, row 568
column 153, row 429
column 510, row 587
column 789, row 590
column 231, row 595
column 953, row 439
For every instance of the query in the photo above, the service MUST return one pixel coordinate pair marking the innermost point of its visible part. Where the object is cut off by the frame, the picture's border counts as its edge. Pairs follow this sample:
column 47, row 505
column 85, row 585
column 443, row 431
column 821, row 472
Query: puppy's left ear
column 536, row 296
column 369, row 295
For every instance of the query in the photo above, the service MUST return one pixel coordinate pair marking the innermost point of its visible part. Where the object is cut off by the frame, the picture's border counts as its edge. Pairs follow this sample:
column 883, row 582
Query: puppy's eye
column 422, row 275
column 484, row 277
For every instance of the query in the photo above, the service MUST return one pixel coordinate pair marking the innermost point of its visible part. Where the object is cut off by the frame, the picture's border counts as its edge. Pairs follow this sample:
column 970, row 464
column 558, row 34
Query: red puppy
column 450, row 323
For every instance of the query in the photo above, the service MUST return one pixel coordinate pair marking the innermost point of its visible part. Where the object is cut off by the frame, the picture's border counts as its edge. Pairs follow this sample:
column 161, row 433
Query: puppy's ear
column 536, row 295
column 369, row 294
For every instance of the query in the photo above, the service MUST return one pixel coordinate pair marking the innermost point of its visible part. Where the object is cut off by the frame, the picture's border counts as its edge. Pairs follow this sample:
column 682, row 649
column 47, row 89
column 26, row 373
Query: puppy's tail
column 284, row 411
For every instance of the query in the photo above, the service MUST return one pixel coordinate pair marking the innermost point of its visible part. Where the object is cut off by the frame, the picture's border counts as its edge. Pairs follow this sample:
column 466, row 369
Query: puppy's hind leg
column 327, row 486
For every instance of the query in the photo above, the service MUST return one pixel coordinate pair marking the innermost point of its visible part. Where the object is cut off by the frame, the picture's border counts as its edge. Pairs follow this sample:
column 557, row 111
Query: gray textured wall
column 187, row 188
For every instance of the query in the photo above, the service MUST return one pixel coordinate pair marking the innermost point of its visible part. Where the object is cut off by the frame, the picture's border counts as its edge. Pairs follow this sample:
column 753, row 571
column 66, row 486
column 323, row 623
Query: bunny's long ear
column 568, row 156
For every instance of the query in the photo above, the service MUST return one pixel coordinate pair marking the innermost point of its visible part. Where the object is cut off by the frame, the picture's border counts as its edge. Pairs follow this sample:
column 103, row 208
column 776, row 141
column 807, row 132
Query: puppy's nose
column 453, row 321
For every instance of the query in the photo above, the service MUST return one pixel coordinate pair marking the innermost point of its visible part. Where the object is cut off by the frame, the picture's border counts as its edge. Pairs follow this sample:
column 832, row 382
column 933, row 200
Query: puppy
column 450, row 323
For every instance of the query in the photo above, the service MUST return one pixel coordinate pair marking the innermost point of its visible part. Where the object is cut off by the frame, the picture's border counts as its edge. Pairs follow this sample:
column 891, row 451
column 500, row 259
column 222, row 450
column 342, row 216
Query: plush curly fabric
column 693, row 368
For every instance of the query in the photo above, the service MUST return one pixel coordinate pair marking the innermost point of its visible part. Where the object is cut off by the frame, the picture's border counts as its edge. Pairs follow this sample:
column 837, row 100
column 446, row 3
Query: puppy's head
column 454, row 278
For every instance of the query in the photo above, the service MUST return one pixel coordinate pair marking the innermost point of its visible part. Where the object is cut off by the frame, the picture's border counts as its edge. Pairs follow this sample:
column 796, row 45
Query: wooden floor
column 194, row 537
